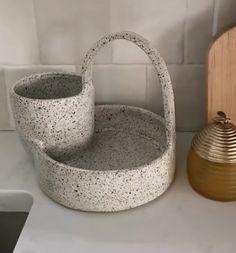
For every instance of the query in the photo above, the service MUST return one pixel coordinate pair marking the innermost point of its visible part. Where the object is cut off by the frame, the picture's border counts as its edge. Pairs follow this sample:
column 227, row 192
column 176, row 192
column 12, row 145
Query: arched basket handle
column 158, row 63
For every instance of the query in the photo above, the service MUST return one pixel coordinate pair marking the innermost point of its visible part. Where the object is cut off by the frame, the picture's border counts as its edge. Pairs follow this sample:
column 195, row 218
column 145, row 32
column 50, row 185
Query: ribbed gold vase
column 212, row 160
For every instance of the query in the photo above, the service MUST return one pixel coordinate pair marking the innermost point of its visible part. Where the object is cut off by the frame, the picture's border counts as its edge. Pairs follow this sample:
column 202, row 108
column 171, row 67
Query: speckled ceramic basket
column 131, row 159
column 54, row 108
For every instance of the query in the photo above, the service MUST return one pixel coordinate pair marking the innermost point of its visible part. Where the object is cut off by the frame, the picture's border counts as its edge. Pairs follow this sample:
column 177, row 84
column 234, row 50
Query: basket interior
column 124, row 137
column 49, row 86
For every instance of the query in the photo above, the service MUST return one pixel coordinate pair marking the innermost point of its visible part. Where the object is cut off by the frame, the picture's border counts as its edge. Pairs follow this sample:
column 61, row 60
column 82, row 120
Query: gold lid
column 217, row 141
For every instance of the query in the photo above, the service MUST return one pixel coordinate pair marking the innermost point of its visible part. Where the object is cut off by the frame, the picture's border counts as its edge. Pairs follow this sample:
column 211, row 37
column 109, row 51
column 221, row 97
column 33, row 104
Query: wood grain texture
column 221, row 80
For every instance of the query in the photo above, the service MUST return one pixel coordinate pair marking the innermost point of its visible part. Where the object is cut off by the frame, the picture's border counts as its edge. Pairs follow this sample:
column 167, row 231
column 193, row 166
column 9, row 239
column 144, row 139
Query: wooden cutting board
column 221, row 78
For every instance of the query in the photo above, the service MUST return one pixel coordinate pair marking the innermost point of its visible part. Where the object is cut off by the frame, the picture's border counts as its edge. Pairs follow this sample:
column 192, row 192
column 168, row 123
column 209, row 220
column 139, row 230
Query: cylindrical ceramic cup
column 54, row 108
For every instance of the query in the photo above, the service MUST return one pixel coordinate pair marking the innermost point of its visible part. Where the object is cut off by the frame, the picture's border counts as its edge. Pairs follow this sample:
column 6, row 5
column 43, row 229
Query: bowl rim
column 140, row 167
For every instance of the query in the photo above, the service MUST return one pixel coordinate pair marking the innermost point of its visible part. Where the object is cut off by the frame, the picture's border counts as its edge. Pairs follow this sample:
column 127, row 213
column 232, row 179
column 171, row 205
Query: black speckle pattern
column 129, row 162
column 158, row 63
column 54, row 108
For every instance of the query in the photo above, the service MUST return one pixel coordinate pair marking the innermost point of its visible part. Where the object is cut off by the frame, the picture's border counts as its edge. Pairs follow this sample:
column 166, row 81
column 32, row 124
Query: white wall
column 45, row 35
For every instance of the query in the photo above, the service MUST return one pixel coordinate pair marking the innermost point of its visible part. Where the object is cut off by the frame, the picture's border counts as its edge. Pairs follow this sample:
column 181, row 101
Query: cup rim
column 53, row 73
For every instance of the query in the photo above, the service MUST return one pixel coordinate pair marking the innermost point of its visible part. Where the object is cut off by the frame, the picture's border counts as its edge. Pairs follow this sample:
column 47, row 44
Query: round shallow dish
column 128, row 163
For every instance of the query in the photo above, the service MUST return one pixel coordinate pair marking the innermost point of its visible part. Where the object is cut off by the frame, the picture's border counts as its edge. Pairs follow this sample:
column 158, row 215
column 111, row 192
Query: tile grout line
column 184, row 30
column 8, row 103
column 19, row 66
column 110, row 30
column 77, row 66
column 37, row 32
column 112, row 63
column 215, row 17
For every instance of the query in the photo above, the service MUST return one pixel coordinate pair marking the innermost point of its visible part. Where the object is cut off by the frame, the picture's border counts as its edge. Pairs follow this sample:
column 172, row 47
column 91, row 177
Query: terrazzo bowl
column 55, row 108
column 131, row 159
column 128, row 163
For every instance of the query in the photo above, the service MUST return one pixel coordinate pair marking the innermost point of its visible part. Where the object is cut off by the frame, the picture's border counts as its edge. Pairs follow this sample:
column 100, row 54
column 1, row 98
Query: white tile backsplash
column 225, row 14
column 67, row 29
column 190, row 97
column 42, row 35
column 18, row 35
column 189, row 91
column 162, row 22
column 120, row 84
column 198, row 30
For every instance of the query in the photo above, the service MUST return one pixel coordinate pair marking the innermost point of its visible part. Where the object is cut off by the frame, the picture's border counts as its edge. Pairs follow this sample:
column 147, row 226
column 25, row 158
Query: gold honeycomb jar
column 211, row 163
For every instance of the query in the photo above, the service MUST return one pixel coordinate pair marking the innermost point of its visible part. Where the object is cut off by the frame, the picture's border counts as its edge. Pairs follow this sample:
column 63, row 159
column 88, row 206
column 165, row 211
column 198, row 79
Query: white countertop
column 181, row 221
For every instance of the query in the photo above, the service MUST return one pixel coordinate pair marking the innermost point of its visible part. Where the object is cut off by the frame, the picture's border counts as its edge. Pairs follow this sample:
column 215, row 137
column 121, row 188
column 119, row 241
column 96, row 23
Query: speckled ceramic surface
column 54, row 108
column 127, row 164
column 131, row 159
